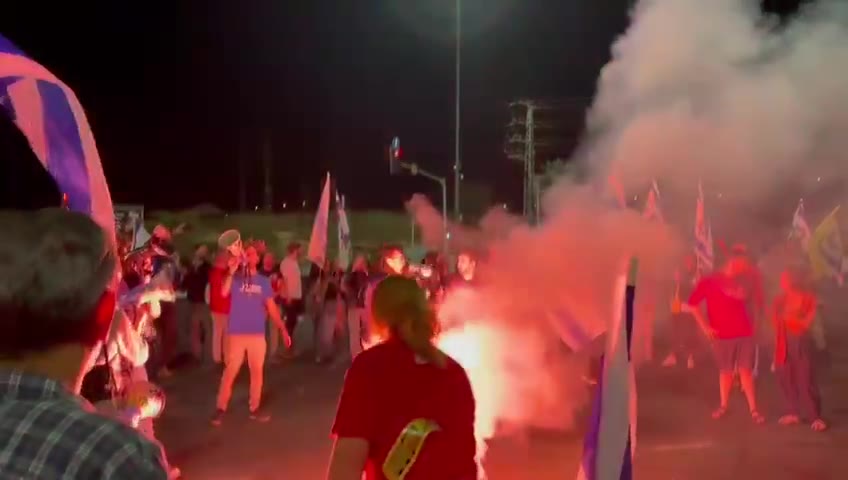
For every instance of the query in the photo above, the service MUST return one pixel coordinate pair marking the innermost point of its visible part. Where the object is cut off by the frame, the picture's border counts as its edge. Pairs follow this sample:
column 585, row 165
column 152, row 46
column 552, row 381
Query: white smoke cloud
column 717, row 91
column 707, row 90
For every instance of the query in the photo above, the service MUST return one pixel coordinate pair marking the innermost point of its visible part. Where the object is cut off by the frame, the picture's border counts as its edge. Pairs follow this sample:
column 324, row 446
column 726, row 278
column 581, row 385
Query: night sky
column 178, row 91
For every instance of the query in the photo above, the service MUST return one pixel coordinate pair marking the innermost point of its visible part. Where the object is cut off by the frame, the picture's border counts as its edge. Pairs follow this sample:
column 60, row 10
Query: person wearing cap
column 252, row 305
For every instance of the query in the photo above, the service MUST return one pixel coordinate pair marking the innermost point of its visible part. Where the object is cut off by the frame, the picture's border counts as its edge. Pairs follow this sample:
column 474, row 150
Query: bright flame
column 518, row 373
column 475, row 347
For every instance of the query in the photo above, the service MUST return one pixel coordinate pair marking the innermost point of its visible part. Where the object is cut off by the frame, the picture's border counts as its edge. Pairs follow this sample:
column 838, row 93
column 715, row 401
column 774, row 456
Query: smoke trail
column 695, row 90
column 721, row 92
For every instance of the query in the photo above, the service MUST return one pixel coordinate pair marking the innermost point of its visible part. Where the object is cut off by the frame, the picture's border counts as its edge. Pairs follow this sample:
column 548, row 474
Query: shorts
column 735, row 352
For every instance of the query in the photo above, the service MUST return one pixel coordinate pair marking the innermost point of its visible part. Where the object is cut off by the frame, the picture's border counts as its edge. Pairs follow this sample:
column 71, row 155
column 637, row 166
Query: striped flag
column 52, row 119
column 703, row 237
column 800, row 228
column 611, row 439
column 825, row 250
column 344, row 233
column 317, row 252
column 652, row 205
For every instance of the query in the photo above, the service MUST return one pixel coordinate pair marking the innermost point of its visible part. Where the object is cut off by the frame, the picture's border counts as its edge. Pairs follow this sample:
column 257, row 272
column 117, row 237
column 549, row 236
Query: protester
column 794, row 310
column 57, row 280
column 326, row 290
column 219, row 308
column 292, row 288
column 730, row 327
column 125, row 352
column 252, row 305
column 163, row 266
column 268, row 269
column 404, row 391
column 392, row 262
column 195, row 281
column 354, row 289
column 751, row 280
column 684, row 332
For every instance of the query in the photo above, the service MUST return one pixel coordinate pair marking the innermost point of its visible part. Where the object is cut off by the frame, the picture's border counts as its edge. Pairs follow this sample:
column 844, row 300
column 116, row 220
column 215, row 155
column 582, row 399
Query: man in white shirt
column 292, row 287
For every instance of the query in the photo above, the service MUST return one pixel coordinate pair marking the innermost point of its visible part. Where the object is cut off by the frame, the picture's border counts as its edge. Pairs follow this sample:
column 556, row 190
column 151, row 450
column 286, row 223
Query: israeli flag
column 52, row 119
column 611, row 439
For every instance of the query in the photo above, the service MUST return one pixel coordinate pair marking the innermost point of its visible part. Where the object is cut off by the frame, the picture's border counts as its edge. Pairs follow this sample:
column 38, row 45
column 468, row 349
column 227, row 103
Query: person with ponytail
column 406, row 409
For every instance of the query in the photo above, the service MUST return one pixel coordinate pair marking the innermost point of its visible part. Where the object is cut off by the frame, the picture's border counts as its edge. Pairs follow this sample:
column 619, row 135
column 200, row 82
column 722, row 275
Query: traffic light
column 394, row 156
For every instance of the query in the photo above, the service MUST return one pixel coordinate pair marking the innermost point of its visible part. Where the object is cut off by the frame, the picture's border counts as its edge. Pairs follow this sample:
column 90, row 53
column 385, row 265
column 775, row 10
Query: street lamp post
column 457, row 165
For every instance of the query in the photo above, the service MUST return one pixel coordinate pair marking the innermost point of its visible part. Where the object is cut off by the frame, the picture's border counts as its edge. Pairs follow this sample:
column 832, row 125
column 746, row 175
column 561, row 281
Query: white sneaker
column 670, row 361
column 690, row 362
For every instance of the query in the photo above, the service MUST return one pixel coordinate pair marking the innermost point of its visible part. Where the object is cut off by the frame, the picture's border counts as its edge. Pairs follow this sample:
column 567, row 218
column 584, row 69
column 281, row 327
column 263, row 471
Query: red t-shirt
column 728, row 304
column 386, row 388
column 218, row 303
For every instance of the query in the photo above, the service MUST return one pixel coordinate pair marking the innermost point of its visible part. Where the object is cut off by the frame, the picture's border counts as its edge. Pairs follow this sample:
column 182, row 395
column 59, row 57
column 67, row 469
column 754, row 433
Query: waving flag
column 50, row 116
column 344, row 233
column 826, row 252
column 611, row 439
column 800, row 229
column 317, row 252
column 652, row 205
column 703, row 237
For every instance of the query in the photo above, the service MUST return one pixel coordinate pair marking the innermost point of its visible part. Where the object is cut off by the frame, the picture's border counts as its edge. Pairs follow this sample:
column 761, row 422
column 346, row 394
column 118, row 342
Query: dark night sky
column 187, row 87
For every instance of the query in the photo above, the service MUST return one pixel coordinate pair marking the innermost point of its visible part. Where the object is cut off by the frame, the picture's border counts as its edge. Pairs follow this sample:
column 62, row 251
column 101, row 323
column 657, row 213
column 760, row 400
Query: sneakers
column 259, row 415
column 218, row 418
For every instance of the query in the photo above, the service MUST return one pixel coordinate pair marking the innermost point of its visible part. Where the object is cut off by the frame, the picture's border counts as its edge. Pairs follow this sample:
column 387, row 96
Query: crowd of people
column 742, row 324
column 83, row 322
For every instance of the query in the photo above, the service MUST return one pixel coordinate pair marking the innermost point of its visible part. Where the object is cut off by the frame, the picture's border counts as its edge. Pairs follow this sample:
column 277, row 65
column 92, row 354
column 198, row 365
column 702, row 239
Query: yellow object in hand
column 407, row 447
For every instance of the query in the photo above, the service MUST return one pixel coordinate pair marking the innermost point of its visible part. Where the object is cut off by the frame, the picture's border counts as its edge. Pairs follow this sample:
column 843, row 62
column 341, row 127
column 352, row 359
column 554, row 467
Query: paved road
column 677, row 440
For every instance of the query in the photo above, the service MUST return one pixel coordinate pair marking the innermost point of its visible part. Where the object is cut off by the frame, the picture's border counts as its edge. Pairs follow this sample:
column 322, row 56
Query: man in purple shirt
column 252, row 305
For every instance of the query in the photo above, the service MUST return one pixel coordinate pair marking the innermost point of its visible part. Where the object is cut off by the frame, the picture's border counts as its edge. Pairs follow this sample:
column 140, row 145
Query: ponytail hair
column 400, row 307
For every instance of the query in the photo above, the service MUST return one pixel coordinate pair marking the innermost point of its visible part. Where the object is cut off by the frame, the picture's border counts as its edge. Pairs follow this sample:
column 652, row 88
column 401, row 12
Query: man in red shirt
column 219, row 306
column 730, row 327
column 407, row 409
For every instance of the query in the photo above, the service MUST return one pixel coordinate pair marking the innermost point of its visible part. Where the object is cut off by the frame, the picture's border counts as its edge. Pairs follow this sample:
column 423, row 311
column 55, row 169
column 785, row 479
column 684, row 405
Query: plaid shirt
column 48, row 433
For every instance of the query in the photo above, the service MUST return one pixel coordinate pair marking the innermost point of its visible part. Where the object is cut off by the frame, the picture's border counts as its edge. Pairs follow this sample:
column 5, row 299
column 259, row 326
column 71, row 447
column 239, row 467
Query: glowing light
column 474, row 346
column 284, row 204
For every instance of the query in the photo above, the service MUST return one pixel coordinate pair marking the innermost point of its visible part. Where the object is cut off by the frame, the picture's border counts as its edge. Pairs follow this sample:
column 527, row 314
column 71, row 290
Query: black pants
column 292, row 310
column 797, row 378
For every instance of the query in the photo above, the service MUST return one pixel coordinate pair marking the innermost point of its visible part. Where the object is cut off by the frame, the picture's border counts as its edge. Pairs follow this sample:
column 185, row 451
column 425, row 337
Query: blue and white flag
column 52, row 119
column 611, row 439
column 703, row 237
column 652, row 205
column 800, row 228
column 344, row 233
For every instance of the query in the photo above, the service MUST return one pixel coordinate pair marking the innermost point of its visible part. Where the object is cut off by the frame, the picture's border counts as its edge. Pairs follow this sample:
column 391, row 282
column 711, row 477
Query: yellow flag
column 825, row 249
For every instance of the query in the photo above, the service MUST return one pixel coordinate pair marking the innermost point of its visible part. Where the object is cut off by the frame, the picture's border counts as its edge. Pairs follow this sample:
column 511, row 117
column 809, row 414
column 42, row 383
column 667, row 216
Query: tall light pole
column 457, row 164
